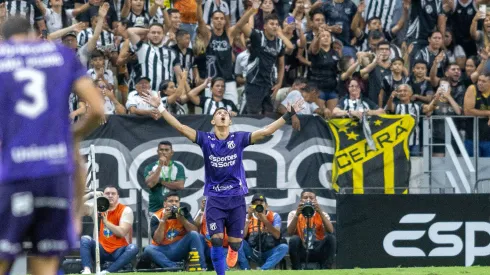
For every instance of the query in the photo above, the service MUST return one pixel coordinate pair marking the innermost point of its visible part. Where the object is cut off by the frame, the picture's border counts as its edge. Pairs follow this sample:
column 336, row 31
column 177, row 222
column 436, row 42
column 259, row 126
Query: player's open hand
column 154, row 101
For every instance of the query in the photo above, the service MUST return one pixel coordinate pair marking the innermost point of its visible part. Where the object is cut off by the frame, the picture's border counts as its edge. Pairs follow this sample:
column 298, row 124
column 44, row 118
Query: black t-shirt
column 340, row 14
column 423, row 88
column 423, row 19
column 263, row 57
column 375, row 82
column 111, row 16
column 324, row 70
column 219, row 57
column 390, row 84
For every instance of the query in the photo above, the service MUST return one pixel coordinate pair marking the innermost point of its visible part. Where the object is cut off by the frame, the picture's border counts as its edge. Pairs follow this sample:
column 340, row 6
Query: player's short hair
column 15, row 25
column 112, row 186
column 165, row 142
column 270, row 17
column 307, row 191
column 171, row 194
column 220, row 108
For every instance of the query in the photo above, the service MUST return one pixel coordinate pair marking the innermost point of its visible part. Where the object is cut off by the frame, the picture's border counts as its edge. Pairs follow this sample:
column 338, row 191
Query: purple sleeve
column 201, row 138
column 244, row 138
column 78, row 69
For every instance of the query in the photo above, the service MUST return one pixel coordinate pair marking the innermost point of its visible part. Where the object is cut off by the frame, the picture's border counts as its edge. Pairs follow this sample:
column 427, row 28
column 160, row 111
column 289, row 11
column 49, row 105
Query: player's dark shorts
column 257, row 99
column 38, row 210
column 226, row 212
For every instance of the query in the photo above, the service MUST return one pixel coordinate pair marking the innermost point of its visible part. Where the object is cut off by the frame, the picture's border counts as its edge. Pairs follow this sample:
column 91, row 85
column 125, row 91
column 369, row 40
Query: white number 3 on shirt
column 35, row 89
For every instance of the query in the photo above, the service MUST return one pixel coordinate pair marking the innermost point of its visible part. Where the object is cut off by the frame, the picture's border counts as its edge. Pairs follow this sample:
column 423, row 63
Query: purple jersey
column 35, row 137
column 223, row 167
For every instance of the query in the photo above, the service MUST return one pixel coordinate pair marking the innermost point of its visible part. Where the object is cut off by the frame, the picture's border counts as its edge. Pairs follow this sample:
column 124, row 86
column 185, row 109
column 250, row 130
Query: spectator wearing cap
column 136, row 105
column 70, row 40
column 262, row 234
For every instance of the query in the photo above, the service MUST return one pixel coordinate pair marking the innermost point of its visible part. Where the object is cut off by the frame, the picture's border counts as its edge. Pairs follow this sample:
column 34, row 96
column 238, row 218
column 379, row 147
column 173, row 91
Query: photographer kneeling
column 174, row 234
column 263, row 235
column 313, row 236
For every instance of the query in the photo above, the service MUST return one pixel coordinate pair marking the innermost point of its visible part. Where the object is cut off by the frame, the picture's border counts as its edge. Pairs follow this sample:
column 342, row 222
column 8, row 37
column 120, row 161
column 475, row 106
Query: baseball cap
column 258, row 197
column 143, row 78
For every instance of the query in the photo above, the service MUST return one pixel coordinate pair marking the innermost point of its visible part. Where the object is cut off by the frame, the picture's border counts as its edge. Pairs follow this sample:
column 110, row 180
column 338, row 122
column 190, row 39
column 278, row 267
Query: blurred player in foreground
column 225, row 181
column 38, row 149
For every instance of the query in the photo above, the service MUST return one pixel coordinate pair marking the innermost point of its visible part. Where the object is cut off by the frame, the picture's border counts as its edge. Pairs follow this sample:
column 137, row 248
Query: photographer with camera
column 116, row 222
column 309, row 228
column 263, row 235
column 174, row 234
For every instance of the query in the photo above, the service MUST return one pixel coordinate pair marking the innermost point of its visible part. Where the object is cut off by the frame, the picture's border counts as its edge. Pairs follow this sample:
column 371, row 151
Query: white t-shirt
column 54, row 21
column 134, row 99
column 108, row 75
column 241, row 63
column 293, row 96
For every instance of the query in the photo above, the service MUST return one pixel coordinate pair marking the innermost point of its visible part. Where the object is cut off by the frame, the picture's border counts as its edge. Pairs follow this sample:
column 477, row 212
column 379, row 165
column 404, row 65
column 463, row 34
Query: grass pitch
column 374, row 271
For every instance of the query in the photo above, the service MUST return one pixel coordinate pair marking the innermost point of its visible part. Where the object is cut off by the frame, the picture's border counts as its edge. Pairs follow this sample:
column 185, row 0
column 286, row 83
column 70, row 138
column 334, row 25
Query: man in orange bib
column 114, row 236
column 174, row 234
column 314, row 237
column 263, row 235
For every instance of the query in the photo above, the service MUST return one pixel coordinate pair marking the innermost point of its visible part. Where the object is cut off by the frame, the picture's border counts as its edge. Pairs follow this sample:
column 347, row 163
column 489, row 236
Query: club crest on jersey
column 230, row 144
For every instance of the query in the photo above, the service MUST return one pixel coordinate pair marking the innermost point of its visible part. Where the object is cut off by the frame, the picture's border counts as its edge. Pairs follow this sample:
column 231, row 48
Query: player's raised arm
column 156, row 102
column 274, row 126
column 85, row 89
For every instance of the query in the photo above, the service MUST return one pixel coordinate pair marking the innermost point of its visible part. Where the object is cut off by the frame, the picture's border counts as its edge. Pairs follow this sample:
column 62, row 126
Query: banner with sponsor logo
column 279, row 166
column 413, row 230
column 372, row 156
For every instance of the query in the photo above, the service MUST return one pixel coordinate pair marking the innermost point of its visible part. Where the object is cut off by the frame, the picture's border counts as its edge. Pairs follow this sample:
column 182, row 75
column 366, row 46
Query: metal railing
column 452, row 142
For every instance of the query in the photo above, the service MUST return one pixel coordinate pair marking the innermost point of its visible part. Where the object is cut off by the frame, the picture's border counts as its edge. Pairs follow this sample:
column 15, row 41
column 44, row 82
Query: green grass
column 374, row 271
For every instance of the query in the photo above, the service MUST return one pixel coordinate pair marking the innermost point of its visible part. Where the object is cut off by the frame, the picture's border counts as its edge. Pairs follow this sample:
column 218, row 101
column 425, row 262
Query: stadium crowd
column 345, row 58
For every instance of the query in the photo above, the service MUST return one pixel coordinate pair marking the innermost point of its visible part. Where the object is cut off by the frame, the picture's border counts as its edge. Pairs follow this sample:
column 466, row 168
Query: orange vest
column 174, row 230
column 316, row 224
column 187, row 10
column 204, row 231
column 253, row 224
column 107, row 239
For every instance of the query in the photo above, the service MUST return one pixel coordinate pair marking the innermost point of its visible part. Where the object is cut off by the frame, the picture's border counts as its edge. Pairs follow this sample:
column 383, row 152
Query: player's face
column 172, row 201
column 271, row 26
column 165, row 151
column 218, row 21
column 112, row 195
column 222, row 118
column 308, row 196
column 155, row 35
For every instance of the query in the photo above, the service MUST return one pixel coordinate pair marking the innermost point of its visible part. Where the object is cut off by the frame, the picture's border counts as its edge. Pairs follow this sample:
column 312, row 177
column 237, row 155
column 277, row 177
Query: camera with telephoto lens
column 308, row 209
column 259, row 208
column 183, row 211
column 103, row 204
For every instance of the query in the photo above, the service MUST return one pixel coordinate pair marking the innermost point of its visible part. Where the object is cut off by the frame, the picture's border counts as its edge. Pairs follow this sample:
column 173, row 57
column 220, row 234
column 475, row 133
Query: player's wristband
column 161, row 108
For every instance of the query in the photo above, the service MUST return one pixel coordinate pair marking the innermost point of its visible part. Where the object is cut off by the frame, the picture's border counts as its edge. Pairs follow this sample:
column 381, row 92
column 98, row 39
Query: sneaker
column 231, row 257
column 86, row 272
column 103, row 272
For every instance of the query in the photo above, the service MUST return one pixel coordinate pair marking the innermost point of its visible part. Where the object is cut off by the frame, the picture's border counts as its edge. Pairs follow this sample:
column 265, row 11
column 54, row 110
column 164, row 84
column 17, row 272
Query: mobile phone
column 290, row 20
column 445, row 86
column 483, row 9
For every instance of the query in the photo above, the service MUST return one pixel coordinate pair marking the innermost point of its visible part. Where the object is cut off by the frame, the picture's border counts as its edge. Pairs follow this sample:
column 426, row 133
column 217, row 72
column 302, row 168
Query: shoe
column 86, row 272
column 103, row 272
column 231, row 257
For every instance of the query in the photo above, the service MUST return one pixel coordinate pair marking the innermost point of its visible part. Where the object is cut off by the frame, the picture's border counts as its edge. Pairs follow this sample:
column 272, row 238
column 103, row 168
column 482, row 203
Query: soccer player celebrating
column 225, row 181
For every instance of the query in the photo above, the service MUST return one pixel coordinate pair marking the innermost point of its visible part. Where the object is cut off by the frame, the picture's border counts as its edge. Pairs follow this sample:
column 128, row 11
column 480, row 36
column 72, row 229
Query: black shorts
column 257, row 99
